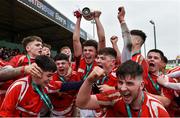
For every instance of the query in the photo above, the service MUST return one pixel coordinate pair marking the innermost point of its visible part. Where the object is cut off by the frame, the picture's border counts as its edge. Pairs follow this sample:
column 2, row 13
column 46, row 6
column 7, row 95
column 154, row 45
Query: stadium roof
column 20, row 18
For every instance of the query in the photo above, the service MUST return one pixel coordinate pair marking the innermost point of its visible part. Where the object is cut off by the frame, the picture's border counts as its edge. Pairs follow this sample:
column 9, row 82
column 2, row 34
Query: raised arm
column 84, row 98
column 114, row 40
column 76, row 36
column 126, row 53
column 100, row 30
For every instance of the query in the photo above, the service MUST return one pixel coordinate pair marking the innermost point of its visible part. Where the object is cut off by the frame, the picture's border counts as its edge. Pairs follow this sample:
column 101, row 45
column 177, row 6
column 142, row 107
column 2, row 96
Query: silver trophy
column 87, row 13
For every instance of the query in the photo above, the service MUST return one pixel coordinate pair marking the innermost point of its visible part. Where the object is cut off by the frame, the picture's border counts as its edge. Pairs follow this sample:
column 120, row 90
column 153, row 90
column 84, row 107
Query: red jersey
column 169, row 93
column 137, row 57
column 162, row 90
column 3, row 63
column 110, row 79
column 3, row 88
column 73, row 66
column 175, row 69
column 20, row 60
column 84, row 70
column 4, row 85
column 151, row 107
column 64, row 102
column 22, row 100
column 175, row 103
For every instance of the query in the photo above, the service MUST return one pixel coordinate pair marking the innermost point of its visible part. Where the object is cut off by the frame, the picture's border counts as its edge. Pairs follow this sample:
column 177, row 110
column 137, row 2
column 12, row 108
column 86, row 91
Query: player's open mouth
column 152, row 64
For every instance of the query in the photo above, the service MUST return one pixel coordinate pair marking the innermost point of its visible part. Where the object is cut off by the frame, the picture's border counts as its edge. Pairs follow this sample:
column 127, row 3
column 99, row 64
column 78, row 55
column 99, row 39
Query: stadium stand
column 20, row 18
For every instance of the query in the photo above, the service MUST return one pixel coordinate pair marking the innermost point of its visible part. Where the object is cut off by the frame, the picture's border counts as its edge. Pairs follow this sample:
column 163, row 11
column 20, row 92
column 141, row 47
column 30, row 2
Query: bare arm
column 84, row 98
column 76, row 38
column 9, row 72
column 175, row 86
column 114, row 40
column 100, row 30
column 174, row 74
column 126, row 53
column 164, row 81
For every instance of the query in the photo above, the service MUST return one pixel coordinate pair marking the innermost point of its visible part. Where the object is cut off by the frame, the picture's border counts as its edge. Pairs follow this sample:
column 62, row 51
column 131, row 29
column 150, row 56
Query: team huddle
column 100, row 82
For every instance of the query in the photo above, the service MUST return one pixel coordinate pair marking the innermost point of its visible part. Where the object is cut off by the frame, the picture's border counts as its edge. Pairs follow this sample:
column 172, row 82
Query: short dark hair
column 45, row 63
column 91, row 43
column 108, row 51
column 29, row 39
column 139, row 33
column 157, row 51
column 61, row 56
column 129, row 67
column 47, row 45
column 164, row 59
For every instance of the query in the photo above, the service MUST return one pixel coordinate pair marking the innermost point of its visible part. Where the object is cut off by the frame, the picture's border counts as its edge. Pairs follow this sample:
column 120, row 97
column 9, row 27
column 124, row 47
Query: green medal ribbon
column 140, row 111
column 43, row 96
column 29, row 59
column 156, row 86
column 62, row 79
column 88, row 68
column 103, row 80
column 137, row 52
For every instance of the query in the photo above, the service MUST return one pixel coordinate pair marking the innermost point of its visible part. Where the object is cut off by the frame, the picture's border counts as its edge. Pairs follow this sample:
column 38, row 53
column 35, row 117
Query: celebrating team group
column 100, row 82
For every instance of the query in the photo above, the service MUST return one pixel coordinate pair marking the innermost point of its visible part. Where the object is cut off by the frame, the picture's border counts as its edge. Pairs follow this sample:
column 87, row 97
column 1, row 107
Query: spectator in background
column 7, row 53
column 2, row 60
